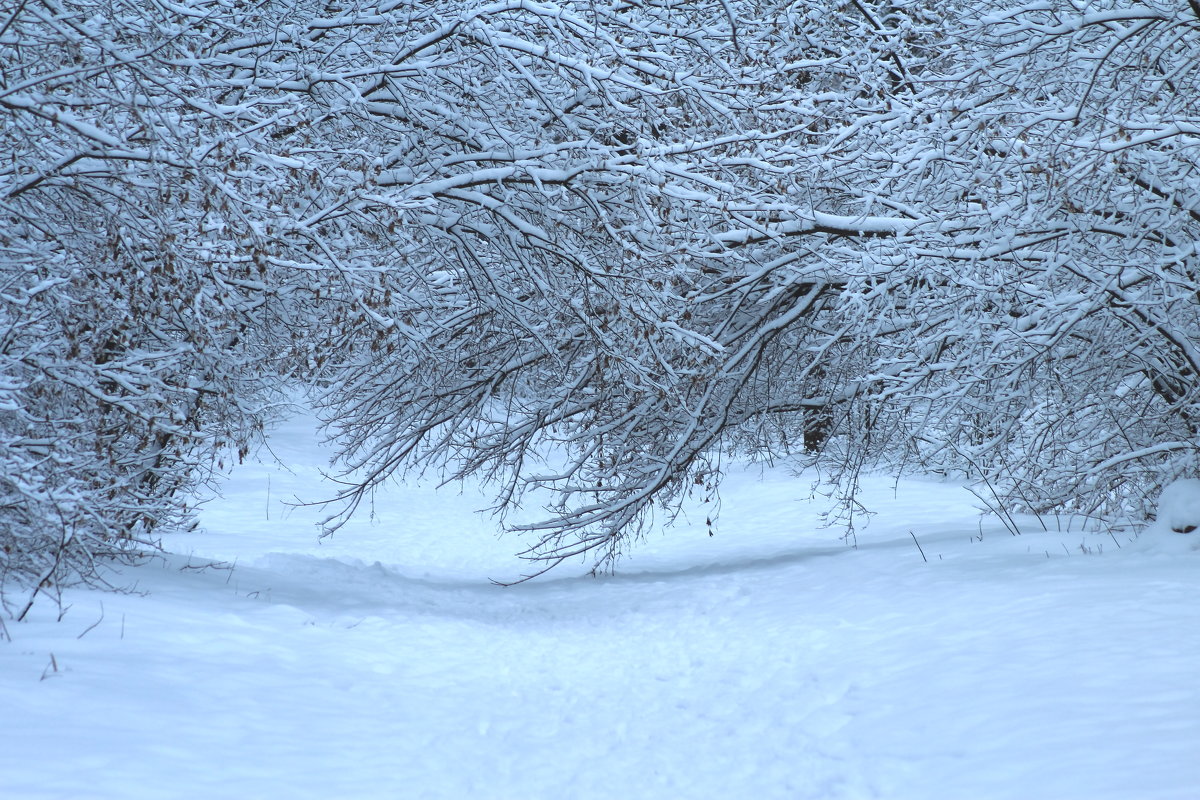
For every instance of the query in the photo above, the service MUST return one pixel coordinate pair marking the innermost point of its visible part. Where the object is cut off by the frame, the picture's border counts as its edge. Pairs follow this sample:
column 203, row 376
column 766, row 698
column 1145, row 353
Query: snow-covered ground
column 768, row 661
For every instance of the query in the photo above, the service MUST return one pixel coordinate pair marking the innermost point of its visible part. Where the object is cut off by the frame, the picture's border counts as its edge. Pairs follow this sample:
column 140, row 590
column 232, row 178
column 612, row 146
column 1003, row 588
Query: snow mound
column 1179, row 505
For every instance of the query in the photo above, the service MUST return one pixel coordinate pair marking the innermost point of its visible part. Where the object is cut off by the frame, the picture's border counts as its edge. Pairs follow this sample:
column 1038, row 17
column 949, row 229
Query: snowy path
column 770, row 661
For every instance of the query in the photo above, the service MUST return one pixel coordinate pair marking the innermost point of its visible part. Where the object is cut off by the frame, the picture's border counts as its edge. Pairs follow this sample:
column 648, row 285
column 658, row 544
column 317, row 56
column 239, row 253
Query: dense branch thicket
column 142, row 306
column 627, row 251
column 1083, row 156
column 583, row 248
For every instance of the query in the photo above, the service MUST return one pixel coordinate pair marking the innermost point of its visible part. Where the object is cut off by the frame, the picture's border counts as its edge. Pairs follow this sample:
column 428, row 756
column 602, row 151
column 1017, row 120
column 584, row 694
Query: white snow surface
column 771, row 660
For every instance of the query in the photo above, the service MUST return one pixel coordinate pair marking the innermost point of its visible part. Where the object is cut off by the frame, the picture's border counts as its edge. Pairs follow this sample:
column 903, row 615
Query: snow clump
column 1179, row 505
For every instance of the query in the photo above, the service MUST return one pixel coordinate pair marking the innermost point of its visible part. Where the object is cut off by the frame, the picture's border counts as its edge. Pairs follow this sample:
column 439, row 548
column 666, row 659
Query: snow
column 771, row 660
column 1179, row 506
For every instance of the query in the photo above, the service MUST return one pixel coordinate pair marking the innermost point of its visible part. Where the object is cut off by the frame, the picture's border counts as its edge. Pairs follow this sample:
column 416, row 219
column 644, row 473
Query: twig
column 51, row 668
column 1028, row 505
column 919, row 548
column 94, row 624
column 999, row 510
column 46, row 580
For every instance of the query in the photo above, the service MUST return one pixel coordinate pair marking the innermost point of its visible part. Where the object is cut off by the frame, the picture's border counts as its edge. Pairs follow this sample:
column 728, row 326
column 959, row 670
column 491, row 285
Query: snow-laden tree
column 617, row 238
column 620, row 236
column 136, row 278
column 1073, row 133
column 584, row 248
column 946, row 237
